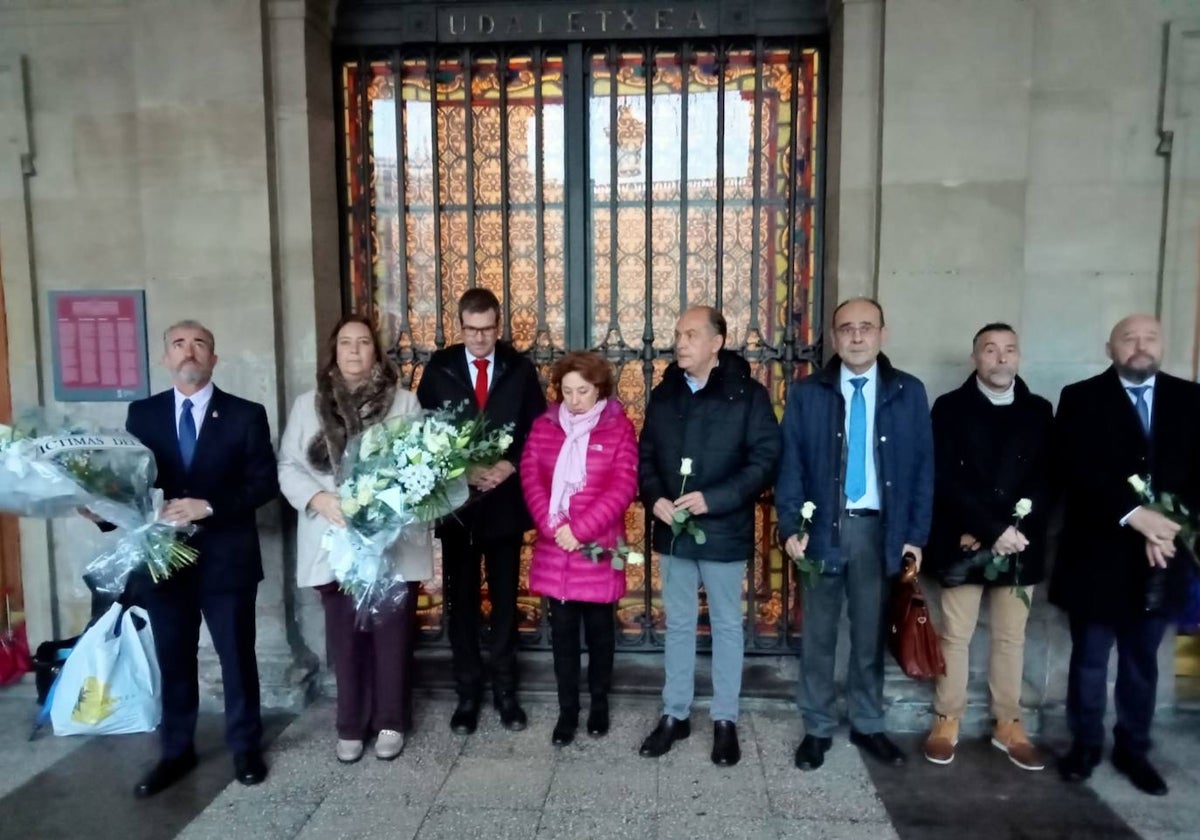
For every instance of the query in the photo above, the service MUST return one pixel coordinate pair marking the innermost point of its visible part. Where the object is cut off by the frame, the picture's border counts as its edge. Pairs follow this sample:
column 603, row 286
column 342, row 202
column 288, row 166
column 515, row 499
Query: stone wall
column 1013, row 149
column 987, row 159
column 143, row 149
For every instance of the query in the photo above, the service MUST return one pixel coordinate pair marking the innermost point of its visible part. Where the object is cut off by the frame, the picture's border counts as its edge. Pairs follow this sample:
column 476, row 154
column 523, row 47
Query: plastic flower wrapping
column 395, row 481
column 108, row 473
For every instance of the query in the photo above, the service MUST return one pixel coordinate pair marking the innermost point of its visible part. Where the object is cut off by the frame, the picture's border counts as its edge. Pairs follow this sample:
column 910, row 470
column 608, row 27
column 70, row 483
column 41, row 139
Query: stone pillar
column 854, row 122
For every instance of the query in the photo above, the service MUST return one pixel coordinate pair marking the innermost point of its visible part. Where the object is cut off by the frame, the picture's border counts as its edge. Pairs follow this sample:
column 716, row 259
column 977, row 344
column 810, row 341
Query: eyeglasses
column 479, row 332
column 852, row 330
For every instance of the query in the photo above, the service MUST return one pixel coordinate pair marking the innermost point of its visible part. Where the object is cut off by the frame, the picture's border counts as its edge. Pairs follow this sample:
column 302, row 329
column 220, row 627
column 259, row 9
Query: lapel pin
column 215, row 415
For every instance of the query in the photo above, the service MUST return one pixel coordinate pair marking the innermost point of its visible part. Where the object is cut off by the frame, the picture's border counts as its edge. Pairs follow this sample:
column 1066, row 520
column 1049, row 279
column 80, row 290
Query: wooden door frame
column 10, row 543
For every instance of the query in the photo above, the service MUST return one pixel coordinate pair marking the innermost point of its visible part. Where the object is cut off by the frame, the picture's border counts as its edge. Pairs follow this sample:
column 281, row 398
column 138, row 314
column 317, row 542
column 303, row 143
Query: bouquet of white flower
column 110, row 474
column 396, row 477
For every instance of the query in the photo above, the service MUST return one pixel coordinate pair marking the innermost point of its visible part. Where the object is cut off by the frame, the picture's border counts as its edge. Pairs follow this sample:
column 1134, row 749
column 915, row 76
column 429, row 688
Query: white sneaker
column 349, row 752
column 389, row 744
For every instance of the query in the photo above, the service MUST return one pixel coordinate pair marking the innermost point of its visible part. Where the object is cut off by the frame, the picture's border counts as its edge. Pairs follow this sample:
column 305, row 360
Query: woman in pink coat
column 579, row 474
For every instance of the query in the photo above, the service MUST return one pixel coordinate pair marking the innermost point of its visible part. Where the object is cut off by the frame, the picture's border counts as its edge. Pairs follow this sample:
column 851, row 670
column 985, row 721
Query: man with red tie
column 484, row 375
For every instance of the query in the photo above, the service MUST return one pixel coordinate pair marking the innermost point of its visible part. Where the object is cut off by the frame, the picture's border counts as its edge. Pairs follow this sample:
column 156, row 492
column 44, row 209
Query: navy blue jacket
column 233, row 469
column 814, row 461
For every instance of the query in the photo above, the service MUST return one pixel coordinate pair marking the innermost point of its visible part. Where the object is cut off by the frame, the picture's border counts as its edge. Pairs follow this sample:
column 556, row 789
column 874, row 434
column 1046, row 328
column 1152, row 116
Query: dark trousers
column 461, row 556
column 1137, row 641
column 175, row 610
column 599, row 629
column 862, row 584
column 373, row 666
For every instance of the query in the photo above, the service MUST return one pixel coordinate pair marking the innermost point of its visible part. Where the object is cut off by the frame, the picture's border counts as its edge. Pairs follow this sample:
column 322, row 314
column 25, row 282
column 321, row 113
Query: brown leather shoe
column 1009, row 737
column 943, row 738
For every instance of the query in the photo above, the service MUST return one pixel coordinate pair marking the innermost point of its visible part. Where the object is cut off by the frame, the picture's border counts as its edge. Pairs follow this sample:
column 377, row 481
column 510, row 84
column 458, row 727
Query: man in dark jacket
column 1117, row 573
column 991, row 441
column 857, row 444
column 709, row 447
column 216, row 467
column 484, row 375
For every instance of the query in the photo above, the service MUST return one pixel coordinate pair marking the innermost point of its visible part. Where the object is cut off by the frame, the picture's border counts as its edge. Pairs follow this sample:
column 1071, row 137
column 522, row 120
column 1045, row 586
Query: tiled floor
column 496, row 784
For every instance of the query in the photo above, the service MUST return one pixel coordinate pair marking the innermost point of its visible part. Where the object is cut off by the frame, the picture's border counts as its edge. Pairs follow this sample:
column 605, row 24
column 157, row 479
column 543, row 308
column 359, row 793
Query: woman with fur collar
column 357, row 387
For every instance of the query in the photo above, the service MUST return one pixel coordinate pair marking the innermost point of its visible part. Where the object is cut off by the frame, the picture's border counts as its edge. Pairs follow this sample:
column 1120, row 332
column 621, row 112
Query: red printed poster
column 99, row 345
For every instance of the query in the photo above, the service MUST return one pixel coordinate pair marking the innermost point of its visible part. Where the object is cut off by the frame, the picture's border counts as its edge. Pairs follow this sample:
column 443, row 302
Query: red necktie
column 481, row 383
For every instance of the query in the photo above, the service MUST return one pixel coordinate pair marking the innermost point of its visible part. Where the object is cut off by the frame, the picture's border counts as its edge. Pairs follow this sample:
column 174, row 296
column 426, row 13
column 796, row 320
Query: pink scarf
column 570, row 470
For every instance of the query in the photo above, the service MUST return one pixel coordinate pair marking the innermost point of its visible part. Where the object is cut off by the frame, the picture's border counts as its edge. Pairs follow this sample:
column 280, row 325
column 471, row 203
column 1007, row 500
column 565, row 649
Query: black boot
column 564, row 728
column 597, row 722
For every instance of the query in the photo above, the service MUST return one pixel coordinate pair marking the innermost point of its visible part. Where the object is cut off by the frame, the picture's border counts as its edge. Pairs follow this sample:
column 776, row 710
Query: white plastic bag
column 110, row 684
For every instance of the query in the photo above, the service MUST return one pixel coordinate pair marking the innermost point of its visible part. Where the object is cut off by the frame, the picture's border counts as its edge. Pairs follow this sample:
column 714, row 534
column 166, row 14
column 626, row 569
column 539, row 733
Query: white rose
column 1138, row 485
column 635, row 558
column 505, row 441
column 806, row 510
column 685, row 467
column 350, row 507
column 366, row 492
column 1024, row 506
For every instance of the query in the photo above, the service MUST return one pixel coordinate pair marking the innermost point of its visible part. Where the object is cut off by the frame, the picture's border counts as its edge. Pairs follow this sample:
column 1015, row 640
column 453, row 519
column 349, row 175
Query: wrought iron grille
column 597, row 190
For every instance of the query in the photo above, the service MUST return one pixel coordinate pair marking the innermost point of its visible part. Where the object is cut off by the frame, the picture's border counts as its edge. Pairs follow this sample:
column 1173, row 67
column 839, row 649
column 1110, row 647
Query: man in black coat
column 1118, row 574
column 991, row 442
column 216, row 467
column 485, row 375
column 709, row 423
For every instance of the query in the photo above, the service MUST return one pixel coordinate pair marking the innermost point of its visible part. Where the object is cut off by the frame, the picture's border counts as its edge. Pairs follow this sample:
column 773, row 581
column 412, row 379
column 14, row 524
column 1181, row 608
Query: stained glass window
column 700, row 186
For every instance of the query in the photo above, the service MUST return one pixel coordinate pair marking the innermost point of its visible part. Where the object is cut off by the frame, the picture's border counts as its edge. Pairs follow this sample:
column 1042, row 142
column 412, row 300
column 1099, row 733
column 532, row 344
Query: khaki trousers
column 960, row 614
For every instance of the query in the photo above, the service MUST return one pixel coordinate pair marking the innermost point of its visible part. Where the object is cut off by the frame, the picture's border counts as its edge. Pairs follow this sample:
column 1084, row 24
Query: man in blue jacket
column 857, row 444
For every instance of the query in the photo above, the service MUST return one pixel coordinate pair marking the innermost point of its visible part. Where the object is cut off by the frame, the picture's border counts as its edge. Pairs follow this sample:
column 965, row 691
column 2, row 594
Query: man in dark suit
column 485, row 375
column 216, row 467
column 1118, row 575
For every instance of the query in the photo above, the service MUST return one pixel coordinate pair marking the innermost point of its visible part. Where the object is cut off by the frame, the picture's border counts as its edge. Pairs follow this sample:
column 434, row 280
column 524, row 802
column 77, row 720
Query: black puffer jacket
column 728, row 429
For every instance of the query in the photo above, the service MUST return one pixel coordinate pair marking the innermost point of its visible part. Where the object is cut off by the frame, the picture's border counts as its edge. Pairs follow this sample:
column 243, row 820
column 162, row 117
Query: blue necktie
column 856, row 464
column 187, row 435
column 1143, row 407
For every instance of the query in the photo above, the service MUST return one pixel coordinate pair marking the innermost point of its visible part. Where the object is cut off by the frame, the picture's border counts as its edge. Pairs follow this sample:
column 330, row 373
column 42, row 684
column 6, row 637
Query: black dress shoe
column 668, row 731
column 597, row 722
column 512, row 716
column 725, row 751
column 1078, row 763
column 564, row 728
column 811, row 753
column 879, row 747
column 465, row 717
column 249, row 767
column 1140, row 772
column 167, row 772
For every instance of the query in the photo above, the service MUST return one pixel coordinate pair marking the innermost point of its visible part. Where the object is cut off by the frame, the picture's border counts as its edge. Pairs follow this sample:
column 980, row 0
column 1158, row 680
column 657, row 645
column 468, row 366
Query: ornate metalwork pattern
column 669, row 174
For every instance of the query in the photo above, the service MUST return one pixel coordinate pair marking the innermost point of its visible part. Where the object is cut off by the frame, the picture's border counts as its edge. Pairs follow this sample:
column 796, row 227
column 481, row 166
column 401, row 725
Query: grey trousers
column 863, row 584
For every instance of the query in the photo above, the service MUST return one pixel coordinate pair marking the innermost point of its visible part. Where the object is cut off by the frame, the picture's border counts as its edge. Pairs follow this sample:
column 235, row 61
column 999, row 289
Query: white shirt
column 474, row 371
column 200, row 401
column 870, row 499
column 1148, row 396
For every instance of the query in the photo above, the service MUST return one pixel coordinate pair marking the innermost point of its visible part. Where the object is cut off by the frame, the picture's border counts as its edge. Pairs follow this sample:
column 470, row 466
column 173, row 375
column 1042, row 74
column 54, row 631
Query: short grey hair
column 191, row 324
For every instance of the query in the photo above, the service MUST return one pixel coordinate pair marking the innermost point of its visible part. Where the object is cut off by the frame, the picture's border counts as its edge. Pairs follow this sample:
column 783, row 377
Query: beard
column 192, row 372
column 1138, row 375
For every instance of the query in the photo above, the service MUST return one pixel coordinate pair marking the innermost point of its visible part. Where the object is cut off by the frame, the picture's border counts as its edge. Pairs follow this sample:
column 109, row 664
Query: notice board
column 99, row 342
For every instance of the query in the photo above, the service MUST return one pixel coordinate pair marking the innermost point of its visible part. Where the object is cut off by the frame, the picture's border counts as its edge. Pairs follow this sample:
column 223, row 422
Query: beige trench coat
column 300, row 482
